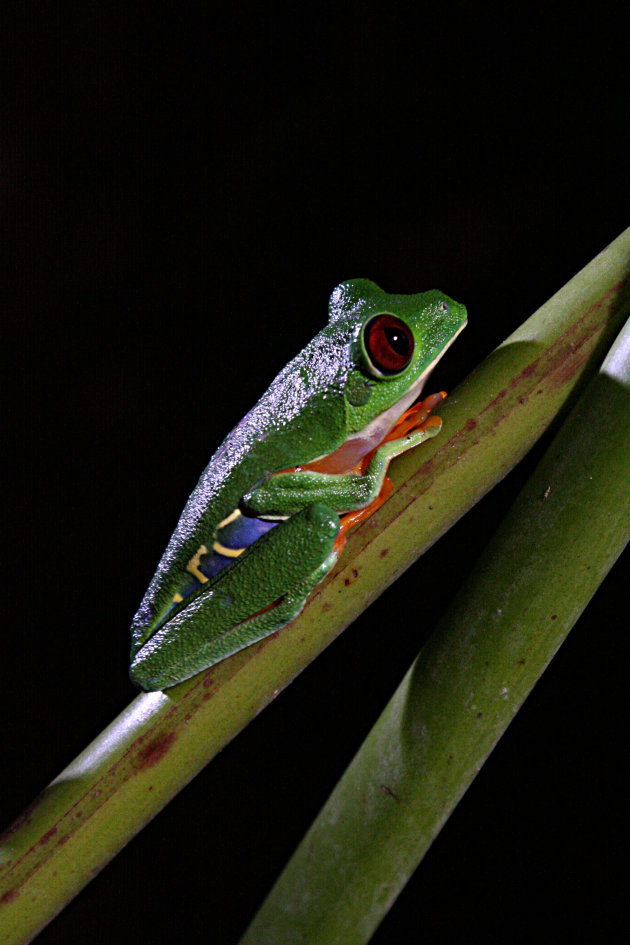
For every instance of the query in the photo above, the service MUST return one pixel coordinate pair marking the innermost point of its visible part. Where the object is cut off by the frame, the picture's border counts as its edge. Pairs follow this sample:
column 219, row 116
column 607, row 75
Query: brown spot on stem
column 155, row 751
column 47, row 836
column 388, row 791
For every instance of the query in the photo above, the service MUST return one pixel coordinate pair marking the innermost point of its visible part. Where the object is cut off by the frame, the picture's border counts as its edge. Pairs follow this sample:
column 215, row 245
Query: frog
column 270, row 515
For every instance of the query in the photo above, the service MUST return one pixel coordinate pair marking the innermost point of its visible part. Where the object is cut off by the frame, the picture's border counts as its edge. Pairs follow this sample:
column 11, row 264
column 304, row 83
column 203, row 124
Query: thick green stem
column 563, row 534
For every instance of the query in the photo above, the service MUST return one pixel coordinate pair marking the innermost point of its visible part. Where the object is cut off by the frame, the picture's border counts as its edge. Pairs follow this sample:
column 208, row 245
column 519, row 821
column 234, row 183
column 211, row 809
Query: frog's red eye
column 389, row 343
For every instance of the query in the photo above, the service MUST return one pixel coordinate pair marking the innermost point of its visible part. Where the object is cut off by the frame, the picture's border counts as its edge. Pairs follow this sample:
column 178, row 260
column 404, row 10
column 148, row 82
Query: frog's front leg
column 265, row 589
column 287, row 492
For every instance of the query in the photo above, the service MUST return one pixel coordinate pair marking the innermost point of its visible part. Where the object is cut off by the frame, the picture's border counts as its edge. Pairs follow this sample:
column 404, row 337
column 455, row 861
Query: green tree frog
column 268, row 518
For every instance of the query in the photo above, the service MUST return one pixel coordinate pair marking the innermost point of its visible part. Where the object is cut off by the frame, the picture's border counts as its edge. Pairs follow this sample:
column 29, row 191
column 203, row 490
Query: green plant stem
column 162, row 740
column 561, row 537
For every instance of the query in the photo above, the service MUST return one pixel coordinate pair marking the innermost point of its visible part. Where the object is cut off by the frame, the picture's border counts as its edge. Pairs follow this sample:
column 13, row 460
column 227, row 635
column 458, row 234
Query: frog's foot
column 415, row 424
column 417, row 417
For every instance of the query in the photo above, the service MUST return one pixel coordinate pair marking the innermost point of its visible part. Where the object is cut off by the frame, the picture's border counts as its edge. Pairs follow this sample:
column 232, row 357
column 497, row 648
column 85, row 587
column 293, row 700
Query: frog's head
column 396, row 342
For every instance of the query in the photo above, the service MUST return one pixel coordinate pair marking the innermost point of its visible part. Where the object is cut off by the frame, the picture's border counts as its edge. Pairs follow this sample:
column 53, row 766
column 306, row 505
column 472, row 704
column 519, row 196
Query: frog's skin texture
column 267, row 519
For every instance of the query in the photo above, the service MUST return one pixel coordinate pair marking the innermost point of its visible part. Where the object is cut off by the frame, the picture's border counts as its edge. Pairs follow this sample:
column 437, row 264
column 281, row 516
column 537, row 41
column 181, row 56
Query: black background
column 181, row 191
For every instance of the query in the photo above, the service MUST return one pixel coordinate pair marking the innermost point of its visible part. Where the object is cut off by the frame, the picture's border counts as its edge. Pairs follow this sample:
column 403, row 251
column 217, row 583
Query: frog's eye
column 388, row 344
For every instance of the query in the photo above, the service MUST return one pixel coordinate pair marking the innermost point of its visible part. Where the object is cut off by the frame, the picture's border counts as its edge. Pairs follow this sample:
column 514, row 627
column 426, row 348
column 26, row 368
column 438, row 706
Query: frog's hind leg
column 265, row 589
column 270, row 618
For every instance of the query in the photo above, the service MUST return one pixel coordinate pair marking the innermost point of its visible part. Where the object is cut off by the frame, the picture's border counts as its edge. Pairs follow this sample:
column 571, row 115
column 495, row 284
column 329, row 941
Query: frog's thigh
column 263, row 591
column 267, row 621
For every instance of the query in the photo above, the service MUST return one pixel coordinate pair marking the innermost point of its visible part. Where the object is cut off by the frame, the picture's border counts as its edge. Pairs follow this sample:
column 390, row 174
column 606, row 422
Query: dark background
column 181, row 190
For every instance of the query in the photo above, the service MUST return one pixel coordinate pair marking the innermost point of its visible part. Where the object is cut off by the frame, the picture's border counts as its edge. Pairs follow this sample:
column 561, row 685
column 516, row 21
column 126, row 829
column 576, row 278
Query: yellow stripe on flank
column 193, row 564
column 231, row 517
column 177, row 598
column 228, row 552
